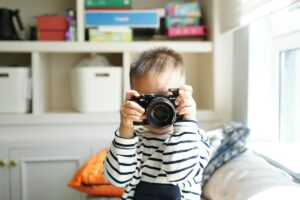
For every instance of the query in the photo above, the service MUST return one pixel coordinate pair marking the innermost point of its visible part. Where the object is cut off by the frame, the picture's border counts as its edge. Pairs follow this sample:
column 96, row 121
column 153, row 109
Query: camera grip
column 138, row 123
column 144, row 122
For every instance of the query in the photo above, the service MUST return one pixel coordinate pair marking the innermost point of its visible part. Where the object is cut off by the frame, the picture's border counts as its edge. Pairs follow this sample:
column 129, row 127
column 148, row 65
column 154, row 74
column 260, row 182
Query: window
column 289, row 95
column 270, row 74
column 274, row 78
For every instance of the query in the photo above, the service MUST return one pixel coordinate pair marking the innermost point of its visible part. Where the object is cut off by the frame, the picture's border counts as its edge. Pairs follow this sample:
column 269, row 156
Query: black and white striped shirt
column 176, row 158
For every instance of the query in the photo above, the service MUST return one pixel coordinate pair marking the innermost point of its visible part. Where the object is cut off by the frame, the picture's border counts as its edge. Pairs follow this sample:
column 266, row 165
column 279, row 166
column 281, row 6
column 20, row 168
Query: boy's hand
column 130, row 112
column 186, row 105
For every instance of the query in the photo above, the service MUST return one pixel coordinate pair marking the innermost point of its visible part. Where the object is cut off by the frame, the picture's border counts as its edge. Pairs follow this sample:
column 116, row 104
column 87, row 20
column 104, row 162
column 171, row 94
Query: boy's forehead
column 158, row 83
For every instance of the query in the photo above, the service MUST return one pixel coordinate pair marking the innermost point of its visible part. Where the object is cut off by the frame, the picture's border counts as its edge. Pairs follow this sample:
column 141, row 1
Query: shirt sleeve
column 121, row 160
column 187, row 152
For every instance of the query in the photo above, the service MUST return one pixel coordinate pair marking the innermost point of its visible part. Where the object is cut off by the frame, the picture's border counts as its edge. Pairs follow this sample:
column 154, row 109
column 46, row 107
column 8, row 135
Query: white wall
column 240, row 75
column 223, row 60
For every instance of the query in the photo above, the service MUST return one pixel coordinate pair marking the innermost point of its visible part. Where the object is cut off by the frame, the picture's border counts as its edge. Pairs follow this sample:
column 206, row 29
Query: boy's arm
column 187, row 152
column 121, row 160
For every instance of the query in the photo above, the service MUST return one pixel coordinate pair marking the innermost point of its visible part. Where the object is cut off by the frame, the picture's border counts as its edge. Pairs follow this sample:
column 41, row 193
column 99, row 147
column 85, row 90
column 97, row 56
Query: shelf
column 60, row 118
column 80, row 118
column 110, row 47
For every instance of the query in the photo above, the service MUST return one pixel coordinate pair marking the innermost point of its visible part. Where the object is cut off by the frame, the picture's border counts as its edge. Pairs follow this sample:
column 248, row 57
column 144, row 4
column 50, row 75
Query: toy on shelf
column 183, row 19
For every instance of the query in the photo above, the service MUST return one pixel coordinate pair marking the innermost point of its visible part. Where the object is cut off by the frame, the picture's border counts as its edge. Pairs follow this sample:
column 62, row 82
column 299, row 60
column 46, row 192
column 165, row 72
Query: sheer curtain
column 237, row 13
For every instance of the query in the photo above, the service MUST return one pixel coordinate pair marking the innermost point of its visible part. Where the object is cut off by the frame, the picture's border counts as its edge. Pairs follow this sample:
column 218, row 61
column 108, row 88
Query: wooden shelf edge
column 109, row 47
column 80, row 118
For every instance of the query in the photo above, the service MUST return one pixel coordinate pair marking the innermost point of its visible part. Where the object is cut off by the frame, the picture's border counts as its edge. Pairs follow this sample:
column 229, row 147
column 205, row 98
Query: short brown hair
column 155, row 61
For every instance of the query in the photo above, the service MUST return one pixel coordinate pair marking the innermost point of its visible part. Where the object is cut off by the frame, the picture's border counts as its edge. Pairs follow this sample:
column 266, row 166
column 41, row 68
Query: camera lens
column 160, row 113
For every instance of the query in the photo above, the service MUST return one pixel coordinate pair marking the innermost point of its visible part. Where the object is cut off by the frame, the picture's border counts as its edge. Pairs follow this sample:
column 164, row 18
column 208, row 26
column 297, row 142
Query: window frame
column 287, row 42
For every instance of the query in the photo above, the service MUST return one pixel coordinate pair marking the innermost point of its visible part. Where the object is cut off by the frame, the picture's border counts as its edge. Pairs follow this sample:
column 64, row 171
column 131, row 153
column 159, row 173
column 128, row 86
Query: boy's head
column 157, row 70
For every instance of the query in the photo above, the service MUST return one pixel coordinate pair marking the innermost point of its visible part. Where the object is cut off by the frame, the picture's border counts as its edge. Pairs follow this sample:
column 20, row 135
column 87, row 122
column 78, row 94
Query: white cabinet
column 4, row 174
column 33, row 173
column 42, row 173
column 37, row 163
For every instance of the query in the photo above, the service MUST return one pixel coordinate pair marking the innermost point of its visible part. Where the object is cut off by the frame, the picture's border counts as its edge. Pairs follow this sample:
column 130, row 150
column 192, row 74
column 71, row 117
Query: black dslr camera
column 160, row 109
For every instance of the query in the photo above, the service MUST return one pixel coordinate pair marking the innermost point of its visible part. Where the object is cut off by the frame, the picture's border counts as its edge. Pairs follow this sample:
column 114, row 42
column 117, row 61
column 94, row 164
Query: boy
column 158, row 163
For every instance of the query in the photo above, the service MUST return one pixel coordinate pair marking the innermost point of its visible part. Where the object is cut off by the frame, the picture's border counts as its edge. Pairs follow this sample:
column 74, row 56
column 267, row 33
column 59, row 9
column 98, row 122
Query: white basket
column 15, row 90
column 96, row 89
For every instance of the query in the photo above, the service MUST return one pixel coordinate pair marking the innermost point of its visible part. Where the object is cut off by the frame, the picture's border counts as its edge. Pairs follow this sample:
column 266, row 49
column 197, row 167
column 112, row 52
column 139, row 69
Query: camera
column 159, row 108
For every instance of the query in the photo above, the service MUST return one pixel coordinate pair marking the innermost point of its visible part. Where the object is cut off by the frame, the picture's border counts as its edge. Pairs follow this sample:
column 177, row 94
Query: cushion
column 249, row 176
column 227, row 142
column 89, row 178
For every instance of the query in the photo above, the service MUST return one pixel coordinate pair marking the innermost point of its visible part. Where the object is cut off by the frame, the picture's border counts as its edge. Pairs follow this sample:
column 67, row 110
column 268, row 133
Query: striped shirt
column 176, row 158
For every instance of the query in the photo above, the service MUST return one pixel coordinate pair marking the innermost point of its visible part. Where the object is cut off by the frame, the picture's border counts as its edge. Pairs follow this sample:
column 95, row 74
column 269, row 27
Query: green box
column 108, row 3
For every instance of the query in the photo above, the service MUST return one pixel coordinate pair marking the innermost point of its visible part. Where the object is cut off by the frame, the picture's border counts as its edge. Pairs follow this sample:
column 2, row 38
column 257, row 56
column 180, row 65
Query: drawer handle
column 13, row 163
column 2, row 163
column 4, row 75
column 102, row 74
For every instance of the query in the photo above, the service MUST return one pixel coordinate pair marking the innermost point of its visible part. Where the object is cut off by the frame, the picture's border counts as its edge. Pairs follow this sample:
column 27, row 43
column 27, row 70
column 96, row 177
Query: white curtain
column 237, row 13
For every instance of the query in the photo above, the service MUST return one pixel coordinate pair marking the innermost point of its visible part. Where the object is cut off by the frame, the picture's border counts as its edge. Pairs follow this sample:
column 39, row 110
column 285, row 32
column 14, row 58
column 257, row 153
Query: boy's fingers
column 184, row 95
column 134, row 118
column 135, row 106
column 131, row 93
column 187, row 88
column 131, row 114
column 130, row 111
column 186, row 103
column 186, row 110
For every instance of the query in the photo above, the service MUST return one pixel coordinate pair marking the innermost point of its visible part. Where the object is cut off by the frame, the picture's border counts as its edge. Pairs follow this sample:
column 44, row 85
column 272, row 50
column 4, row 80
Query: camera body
column 159, row 109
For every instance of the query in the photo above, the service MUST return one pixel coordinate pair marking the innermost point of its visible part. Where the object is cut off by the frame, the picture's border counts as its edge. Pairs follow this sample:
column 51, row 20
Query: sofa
column 236, row 172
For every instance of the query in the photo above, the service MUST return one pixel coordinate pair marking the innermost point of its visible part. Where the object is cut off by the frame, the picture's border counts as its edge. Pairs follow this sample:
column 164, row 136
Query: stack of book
column 183, row 19
column 52, row 27
column 109, row 20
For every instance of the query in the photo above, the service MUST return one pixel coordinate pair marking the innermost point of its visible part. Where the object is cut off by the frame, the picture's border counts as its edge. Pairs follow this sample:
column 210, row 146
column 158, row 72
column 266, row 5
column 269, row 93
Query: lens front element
column 160, row 113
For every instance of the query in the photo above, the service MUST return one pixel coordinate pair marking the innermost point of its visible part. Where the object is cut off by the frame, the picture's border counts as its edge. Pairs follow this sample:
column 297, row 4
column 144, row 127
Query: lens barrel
column 160, row 113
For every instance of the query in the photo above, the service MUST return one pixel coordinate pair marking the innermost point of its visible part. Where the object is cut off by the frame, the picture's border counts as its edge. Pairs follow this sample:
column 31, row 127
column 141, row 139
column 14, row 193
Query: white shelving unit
column 53, row 137
column 51, row 62
column 104, row 47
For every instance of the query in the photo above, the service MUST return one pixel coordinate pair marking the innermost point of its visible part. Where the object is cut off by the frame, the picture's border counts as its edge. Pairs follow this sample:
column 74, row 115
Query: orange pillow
column 89, row 179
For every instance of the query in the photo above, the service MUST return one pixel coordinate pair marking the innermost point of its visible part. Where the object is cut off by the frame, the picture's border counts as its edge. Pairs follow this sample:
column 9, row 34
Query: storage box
column 96, row 89
column 187, row 31
column 52, row 35
column 52, row 27
column 131, row 18
column 15, row 89
column 111, row 34
column 52, row 23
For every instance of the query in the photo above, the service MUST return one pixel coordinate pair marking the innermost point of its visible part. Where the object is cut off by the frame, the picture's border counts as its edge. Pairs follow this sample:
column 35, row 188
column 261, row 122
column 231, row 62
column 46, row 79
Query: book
column 108, row 3
column 187, row 31
column 131, row 18
column 111, row 34
column 52, row 35
column 184, row 9
column 174, row 21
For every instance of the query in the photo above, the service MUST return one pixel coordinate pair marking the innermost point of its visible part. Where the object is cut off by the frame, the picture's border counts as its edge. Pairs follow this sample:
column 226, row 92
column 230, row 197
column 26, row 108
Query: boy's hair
column 156, row 61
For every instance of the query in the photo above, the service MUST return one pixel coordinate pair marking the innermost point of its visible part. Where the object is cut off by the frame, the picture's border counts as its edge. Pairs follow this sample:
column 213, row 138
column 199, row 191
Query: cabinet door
column 43, row 173
column 4, row 175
